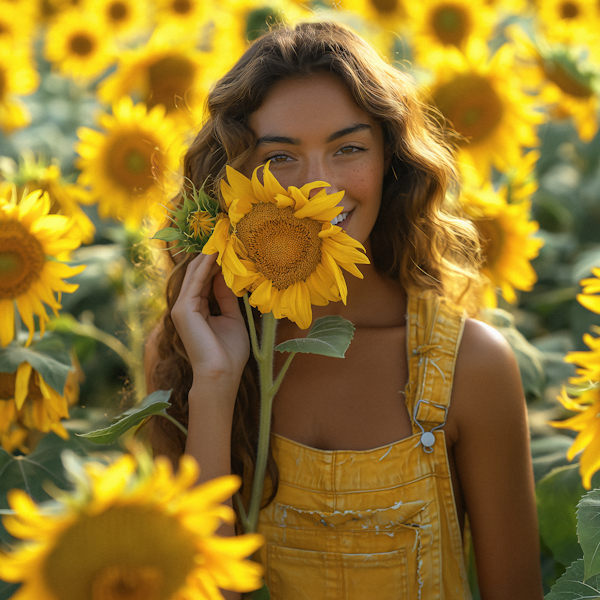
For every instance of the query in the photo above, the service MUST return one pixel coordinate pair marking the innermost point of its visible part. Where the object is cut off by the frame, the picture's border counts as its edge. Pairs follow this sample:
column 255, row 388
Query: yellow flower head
column 587, row 423
column 121, row 18
column 591, row 286
column 16, row 24
column 30, row 239
column 164, row 72
column 507, row 239
column 482, row 100
column 588, row 362
column 78, row 44
column 568, row 20
column 439, row 24
column 389, row 14
column 36, row 174
column 17, row 77
column 28, row 403
column 128, row 537
column 129, row 165
column 185, row 15
column 566, row 80
column 280, row 245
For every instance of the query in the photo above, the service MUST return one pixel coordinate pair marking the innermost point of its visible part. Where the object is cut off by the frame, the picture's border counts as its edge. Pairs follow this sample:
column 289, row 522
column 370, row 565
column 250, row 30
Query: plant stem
column 174, row 421
column 252, row 327
column 268, row 389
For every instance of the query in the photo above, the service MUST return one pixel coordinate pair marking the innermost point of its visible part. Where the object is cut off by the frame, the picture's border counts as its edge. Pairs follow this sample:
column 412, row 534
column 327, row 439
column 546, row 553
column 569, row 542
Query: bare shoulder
column 487, row 384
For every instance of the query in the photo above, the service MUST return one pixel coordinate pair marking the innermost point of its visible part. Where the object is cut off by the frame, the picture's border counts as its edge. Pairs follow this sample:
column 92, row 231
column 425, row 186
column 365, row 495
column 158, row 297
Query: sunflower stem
column 174, row 421
column 241, row 510
column 267, row 393
column 252, row 327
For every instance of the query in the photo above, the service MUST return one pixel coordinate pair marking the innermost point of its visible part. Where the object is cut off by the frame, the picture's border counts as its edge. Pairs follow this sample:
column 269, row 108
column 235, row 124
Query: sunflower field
column 99, row 100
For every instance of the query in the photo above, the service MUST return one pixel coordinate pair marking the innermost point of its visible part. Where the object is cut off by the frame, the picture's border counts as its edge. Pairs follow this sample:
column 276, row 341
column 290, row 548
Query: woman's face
column 312, row 129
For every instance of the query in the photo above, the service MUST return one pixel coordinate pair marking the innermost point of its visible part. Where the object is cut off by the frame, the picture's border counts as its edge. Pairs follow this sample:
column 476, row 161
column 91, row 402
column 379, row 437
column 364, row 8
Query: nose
column 318, row 170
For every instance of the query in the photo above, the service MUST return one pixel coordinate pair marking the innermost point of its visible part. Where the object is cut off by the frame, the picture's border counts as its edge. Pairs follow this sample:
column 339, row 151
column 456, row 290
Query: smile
column 337, row 220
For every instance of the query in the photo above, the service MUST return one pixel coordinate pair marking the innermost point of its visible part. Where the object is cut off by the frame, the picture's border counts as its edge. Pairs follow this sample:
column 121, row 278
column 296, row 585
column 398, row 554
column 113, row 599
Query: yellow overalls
column 376, row 524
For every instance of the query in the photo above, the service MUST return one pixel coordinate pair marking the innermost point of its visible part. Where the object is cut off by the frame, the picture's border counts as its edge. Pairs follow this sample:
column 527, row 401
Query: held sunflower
column 280, row 246
column 30, row 240
column 131, row 537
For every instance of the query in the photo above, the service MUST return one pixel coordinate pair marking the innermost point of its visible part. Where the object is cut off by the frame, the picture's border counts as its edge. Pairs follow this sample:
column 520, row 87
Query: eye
column 278, row 158
column 350, row 150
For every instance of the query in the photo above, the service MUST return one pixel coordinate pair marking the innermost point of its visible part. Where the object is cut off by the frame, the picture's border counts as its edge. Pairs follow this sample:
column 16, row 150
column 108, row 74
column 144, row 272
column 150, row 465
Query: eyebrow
column 280, row 139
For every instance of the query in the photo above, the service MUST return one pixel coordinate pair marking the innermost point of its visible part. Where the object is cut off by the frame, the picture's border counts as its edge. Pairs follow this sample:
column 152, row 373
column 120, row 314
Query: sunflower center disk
column 492, row 240
column 81, row 45
column 129, row 160
column 130, row 552
column 471, row 105
column 118, row 12
column 21, row 259
column 118, row 583
column 385, row 6
column 285, row 249
column 181, row 7
column 169, row 80
column 451, row 25
column 558, row 75
column 569, row 10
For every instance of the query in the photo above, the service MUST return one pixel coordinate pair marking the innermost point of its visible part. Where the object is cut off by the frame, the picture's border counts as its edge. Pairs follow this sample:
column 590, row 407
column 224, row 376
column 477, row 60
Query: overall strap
column 434, row 331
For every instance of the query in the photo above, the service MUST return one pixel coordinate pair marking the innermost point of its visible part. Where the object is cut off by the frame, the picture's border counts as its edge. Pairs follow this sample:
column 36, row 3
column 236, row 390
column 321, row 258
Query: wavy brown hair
column 418, row 238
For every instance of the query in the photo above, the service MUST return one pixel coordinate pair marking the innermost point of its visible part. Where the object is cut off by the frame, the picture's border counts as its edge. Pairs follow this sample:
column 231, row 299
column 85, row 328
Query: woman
column 376, row 459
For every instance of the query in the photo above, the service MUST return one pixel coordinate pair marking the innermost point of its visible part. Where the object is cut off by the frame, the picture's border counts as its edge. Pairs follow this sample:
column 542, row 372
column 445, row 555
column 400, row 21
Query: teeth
column 339, row 218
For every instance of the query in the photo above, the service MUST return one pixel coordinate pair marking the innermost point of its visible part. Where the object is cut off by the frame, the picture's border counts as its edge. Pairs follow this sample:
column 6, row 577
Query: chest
column 354, row 403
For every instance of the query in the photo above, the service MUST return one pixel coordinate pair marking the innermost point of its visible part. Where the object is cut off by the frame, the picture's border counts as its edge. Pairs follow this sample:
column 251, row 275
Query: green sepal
column 48, row 357
column 262, row 593
column 153, row 404
column 588, row 532
column 573, row 585
column 168, row 234
column 329, row 336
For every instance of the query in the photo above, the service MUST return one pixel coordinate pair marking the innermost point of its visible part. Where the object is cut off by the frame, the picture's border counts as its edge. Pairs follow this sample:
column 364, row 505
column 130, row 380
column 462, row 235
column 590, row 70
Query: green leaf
column 573, row 585
column 168, row 234
column 557, row 496
column 588, row 531
column 47, row 357
column 329, row 336
column 261, row 594
column 153, row 404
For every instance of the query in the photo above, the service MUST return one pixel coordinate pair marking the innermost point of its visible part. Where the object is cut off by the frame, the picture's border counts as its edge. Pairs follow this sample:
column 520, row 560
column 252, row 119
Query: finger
column 196, row 276
column 228, row 301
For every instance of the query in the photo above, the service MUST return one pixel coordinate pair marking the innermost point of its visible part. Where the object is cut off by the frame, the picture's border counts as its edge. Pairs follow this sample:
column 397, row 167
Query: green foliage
column 329, row 336
column 182, row 232
column 153, row 404
column 588, row 531
column 261, row 594
column 47, row 356
column 572, row 586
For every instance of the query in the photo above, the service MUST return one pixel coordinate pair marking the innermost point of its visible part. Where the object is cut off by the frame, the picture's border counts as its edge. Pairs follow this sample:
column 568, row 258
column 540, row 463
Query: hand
column 218, row 347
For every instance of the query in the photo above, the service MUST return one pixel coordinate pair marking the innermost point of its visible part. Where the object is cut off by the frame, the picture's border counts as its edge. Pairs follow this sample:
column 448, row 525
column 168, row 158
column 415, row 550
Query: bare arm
column 494, row 465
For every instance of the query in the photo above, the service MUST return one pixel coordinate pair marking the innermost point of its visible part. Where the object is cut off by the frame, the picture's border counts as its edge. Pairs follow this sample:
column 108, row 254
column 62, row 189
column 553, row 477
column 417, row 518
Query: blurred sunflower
column 568, row 21
column 520, row 179
column 28, row 403
column 566, row 80
column 79, row 45
column 187, row 15
column 30, row 240
column 122, row 536
column 591, row 286
column 16, row 25
column 164, row 72
column 587, row 423
column 588, row 361
column 123, row 19
column 388, row 14
column 507, row 243
column 32, row 174
column 281, row 246
column 17, row 77
column 438, row 24
column 482, row 100
column 129, row 164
